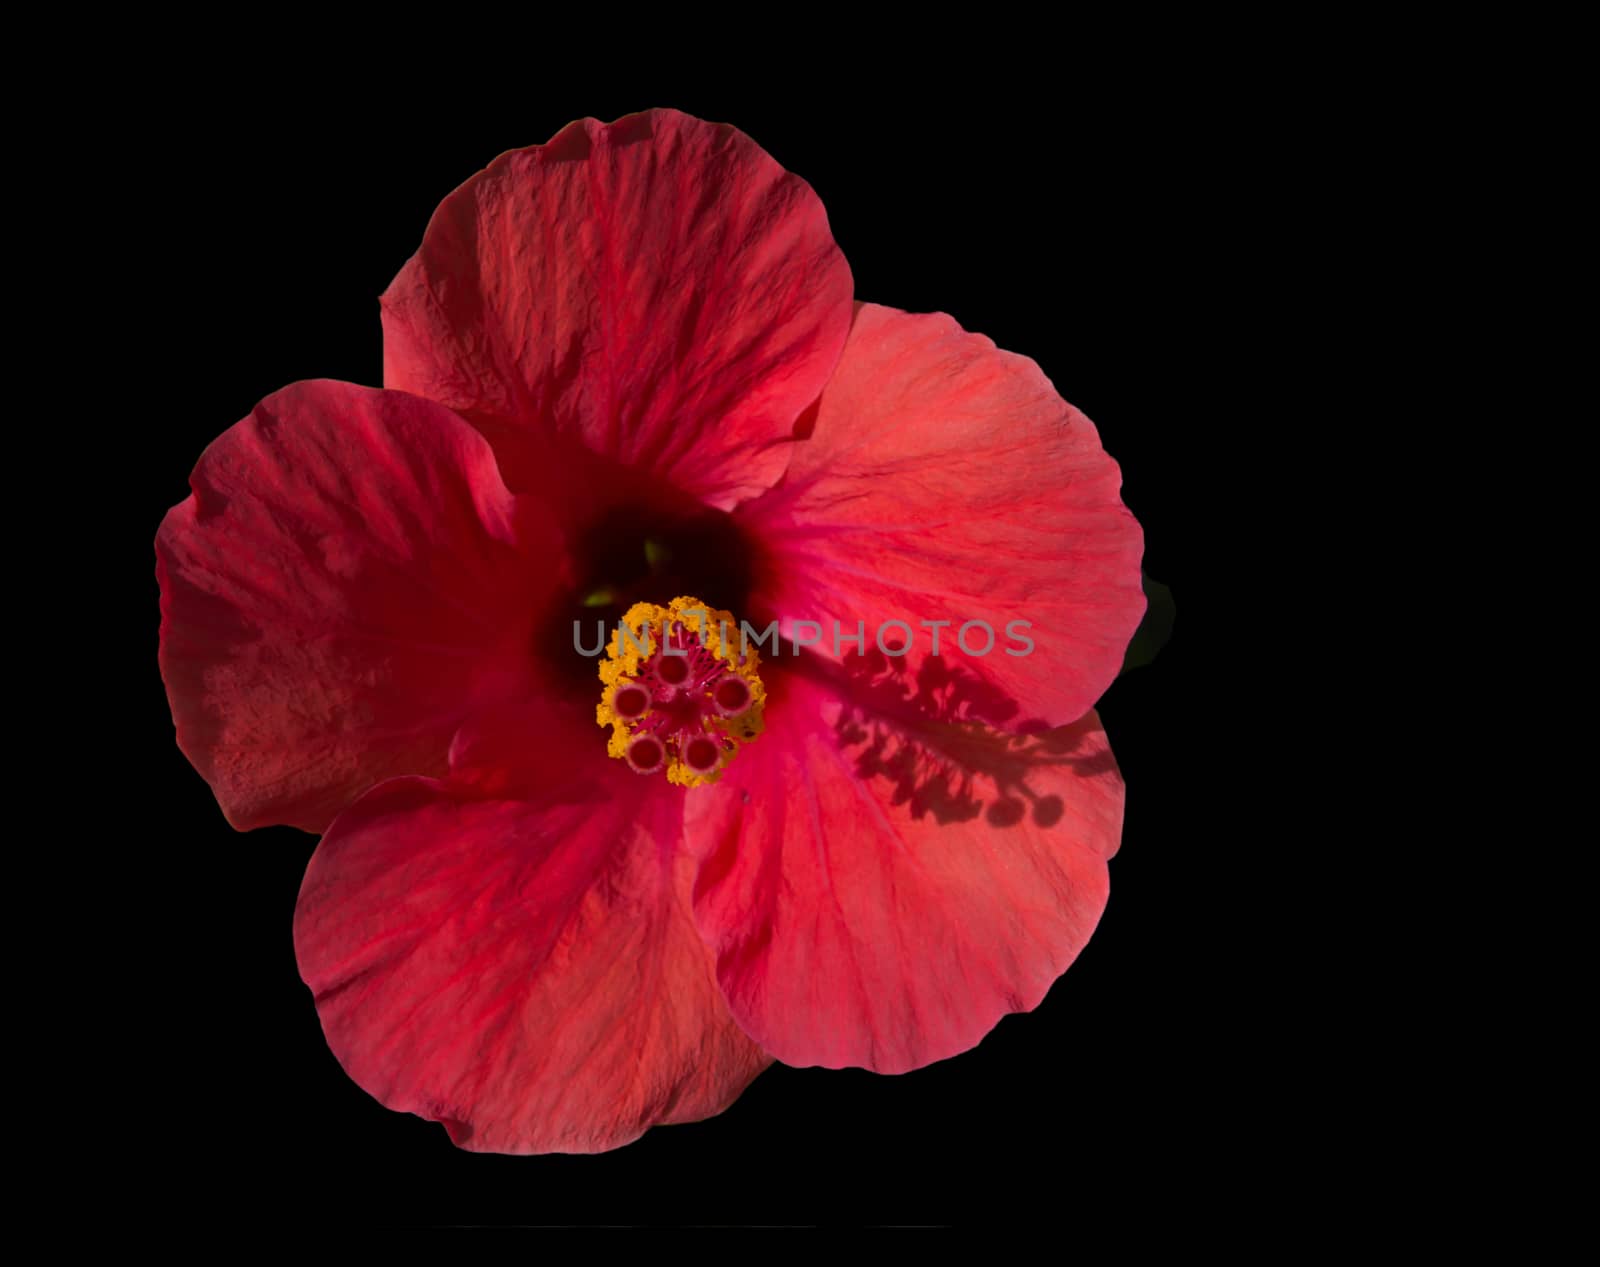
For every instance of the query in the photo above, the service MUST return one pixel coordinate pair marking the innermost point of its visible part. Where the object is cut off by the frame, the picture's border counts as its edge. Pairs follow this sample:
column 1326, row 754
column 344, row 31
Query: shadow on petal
column 929, row 733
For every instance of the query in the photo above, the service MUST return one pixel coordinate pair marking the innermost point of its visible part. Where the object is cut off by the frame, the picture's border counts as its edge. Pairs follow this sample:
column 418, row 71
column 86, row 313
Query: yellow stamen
column 677, row 714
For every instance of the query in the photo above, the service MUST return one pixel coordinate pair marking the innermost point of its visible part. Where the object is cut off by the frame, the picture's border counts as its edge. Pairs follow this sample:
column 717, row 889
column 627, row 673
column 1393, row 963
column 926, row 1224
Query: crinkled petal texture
column 348, row 581
column 525, row 972
column 658, row 289
column 879, row 890
column 946, row 480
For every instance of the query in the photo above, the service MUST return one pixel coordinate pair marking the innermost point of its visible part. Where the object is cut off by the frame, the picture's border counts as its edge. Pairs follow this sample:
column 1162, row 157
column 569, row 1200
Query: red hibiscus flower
column 626, row 386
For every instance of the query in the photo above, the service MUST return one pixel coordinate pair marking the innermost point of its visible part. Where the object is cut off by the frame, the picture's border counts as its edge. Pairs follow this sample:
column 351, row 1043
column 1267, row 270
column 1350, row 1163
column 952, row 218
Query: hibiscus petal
column 658, row 289
column 526, row 973
column 348, row 580
column 879, row 890
column 947, row 481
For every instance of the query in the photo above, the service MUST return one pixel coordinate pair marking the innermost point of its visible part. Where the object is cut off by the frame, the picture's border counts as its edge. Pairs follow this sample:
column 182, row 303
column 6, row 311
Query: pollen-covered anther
column 682, row 691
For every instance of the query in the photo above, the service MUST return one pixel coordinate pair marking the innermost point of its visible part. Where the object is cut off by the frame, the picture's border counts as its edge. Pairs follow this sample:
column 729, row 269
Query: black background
column 1097, row 237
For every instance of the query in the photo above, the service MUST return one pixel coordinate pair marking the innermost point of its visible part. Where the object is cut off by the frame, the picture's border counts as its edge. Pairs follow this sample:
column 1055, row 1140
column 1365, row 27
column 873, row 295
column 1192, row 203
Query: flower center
column 682, row 692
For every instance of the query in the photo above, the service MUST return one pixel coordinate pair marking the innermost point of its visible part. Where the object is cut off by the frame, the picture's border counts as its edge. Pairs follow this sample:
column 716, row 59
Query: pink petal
column 525, row 973
column 879, row 890
column 658, row 289
column 947, row 481
column 348, row 581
